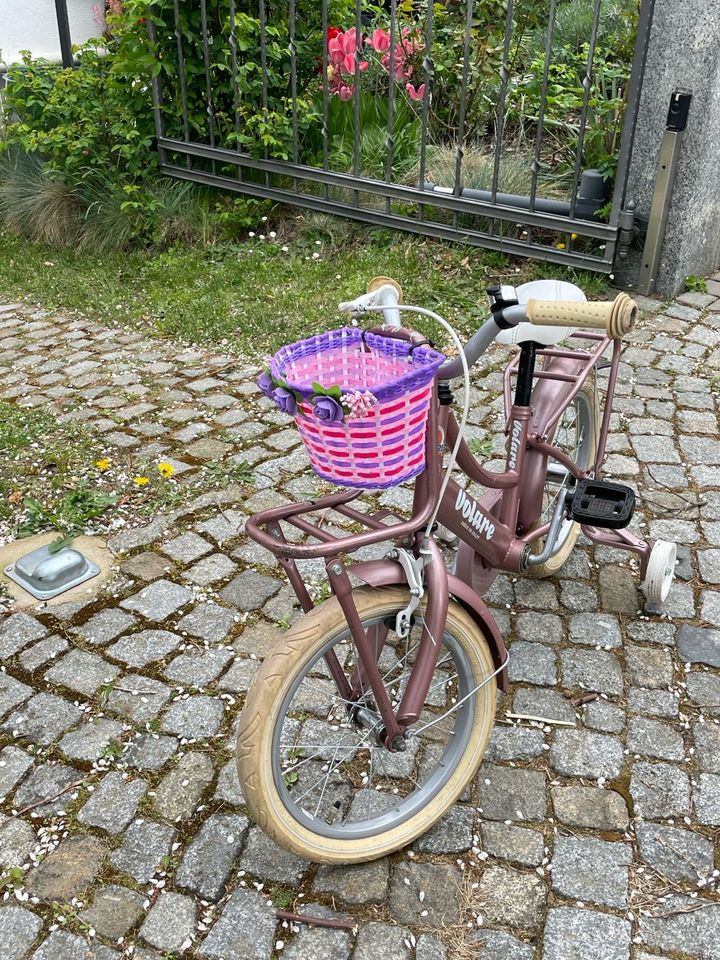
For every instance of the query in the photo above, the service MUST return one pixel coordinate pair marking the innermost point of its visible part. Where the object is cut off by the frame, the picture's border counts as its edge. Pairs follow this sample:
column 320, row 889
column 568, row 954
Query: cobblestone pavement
column 122, row 827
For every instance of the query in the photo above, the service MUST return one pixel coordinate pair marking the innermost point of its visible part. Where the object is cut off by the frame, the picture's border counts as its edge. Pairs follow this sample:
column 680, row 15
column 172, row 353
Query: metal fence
column 420, row 116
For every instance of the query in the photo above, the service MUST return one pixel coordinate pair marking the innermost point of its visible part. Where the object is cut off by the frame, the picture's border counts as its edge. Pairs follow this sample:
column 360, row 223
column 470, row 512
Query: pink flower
column 345, row 92
column 349, row 64
column 344, row 45
column 415, row 93
column 380, row 40
column 360, row 403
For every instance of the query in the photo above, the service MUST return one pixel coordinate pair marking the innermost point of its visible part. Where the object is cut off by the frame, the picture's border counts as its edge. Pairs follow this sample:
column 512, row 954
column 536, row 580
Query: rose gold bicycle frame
column 495, row 532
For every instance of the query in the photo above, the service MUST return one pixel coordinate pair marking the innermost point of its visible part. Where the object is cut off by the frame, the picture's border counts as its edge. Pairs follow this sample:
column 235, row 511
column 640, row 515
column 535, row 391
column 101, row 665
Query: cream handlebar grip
column 617, row 317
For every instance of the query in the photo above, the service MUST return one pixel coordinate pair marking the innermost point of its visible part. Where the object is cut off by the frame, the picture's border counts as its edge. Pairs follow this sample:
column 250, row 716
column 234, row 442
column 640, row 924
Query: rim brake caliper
column 413, row 567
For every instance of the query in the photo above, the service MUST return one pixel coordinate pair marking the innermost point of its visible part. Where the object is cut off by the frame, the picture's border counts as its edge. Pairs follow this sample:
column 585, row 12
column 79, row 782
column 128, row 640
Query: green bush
column 77, row 160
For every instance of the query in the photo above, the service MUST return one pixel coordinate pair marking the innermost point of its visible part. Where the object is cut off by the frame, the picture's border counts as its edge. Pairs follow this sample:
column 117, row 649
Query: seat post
column 526, row 372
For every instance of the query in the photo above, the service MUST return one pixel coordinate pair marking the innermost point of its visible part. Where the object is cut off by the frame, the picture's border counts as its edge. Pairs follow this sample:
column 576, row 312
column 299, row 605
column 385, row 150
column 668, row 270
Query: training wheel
column 660, row 571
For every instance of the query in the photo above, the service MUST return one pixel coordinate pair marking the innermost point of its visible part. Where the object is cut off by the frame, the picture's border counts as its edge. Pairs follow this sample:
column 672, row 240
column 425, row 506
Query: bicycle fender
column 388, row 573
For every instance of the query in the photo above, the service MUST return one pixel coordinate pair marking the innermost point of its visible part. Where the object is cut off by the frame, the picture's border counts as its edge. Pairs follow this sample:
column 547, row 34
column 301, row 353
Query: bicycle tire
column 266, row 788
column 587, row 399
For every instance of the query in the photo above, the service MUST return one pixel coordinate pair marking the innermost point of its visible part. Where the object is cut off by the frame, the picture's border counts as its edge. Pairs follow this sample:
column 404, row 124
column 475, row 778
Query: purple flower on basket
column 328, row 410
column 285, row 400
column 360, row 403
column 265, row 384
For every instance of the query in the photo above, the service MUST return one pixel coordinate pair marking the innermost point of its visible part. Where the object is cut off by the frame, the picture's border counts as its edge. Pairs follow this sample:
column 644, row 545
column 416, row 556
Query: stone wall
column 684, row 52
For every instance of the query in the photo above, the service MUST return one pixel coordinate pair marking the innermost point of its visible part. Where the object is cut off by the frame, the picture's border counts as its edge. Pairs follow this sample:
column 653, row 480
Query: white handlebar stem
column 385, row 297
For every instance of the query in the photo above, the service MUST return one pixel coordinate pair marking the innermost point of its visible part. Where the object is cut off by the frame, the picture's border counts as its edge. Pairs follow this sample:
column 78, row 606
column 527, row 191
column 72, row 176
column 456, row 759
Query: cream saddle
column 541, row 290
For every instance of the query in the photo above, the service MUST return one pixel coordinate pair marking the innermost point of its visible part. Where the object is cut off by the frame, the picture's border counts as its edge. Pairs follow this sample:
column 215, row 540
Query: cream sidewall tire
column 556, row 561
column 265, row 699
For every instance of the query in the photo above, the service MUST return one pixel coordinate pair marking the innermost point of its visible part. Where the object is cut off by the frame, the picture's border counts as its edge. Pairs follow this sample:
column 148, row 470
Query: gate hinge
column 626, row 229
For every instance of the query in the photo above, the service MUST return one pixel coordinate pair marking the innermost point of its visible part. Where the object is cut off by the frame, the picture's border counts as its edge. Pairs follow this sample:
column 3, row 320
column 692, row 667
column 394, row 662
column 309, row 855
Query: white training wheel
column 660, row 571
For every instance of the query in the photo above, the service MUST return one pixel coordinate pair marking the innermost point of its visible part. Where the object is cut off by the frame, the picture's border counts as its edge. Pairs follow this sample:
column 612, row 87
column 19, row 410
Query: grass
column 251, row 297
column 51, row 479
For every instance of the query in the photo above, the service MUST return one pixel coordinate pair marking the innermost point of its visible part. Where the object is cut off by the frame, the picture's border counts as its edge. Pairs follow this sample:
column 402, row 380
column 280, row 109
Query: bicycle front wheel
column 316, row 779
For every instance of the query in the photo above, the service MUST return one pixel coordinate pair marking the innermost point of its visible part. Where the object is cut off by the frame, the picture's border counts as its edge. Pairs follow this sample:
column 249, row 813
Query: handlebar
column 617, row 317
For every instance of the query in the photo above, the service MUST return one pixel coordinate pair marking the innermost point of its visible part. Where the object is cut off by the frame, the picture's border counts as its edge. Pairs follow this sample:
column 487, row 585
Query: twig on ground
column 40, row 803
column 550, row 720
column 316, row 921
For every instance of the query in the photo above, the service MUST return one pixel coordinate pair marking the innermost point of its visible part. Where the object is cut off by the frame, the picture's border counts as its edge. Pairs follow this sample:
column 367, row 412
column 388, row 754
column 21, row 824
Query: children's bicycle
column 371, row 716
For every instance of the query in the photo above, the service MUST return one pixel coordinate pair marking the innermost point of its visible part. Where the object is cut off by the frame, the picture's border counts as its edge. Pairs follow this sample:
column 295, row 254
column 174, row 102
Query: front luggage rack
column 380, row 525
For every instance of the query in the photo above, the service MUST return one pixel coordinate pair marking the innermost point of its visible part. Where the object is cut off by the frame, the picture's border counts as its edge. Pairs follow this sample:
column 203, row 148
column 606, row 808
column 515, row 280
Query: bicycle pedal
column 600, row 503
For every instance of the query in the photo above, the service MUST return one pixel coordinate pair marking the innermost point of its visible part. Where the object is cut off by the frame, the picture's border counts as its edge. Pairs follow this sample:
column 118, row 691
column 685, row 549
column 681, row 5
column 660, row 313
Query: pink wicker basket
column 387, row 445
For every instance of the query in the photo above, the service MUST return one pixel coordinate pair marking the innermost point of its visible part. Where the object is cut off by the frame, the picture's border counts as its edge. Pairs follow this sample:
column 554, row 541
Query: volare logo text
column 514, row 444
column 475, row 517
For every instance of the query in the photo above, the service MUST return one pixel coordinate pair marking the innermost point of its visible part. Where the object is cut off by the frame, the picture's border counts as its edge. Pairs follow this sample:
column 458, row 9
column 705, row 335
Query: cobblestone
column 244, row 931
column 159, row 600
column 18, row 930
column 144, row 848
column 590, row 807
column 14, row 764
column 676, row 854
column 356, row 884
column 586, row 868
column 170, row 923
column 113, row 804
column 96, row 683
column 198, row 717
column 68, row 870
column 180, row 791
column 208, row 860
column 440, row 884
column 577, row 753
column 43, row 719
column 585, row 935
column 659, row 790
column 114, row 911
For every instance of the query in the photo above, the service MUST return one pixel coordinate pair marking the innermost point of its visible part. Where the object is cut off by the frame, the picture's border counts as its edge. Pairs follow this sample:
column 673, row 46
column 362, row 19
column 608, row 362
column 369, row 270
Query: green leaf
column 57, row 545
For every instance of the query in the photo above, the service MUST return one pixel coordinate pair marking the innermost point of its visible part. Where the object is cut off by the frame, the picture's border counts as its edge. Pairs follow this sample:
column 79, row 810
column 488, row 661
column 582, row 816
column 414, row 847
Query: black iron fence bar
column 356, row 97
column 356, row 100
column 634, row 89
column 428, row 78
column 399, row 192
column 377, row 217
column 587, row 84
column 157, row 94
column 232, row 43
column 293, row 85
column 500, row 117
column 63, row 23
column 206, row 63
column 463, row 99
column 543, row 101
column 263, row 70
column 326, row 92
column 390, row 138
column 181, row 72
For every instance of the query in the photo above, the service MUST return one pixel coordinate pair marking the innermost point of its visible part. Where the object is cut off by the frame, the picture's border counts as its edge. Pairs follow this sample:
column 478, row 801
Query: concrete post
column 684, row 51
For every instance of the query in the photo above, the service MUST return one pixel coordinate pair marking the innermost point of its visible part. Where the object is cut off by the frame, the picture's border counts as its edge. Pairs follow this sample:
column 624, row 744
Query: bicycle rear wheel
column 576, row 435
column 316, row 780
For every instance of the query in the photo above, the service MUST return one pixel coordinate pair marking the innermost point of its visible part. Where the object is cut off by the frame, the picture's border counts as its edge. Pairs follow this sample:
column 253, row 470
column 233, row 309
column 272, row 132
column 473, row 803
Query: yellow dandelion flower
column 141, row 481
column 560, row 246
column 166, row 469
column 102, row 464
column 573, row 236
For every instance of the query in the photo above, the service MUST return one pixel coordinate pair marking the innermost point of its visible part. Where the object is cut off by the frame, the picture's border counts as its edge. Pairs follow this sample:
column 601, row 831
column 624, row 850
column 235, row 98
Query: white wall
column 32, row 25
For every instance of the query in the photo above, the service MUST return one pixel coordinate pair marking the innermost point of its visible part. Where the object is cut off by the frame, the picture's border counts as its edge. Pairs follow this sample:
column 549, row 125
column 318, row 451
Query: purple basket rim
column 420, row 374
